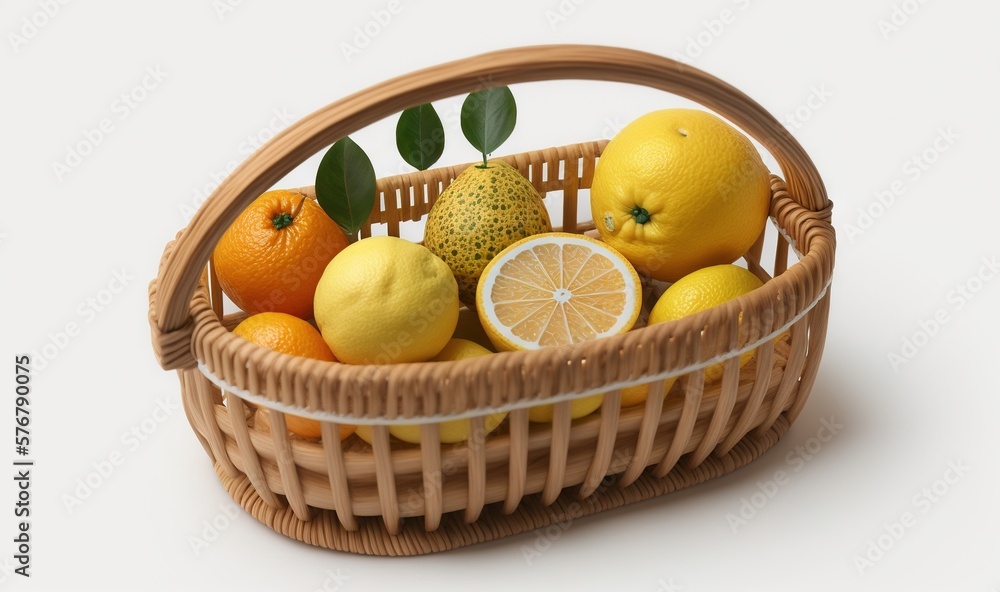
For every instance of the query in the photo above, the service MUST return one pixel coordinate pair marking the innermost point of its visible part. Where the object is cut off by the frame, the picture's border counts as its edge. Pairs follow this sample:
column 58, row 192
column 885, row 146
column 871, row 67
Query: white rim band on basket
column 481, row 411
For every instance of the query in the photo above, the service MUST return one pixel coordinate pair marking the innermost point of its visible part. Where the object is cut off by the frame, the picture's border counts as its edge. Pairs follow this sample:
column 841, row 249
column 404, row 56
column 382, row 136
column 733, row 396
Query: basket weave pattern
column 394, row 499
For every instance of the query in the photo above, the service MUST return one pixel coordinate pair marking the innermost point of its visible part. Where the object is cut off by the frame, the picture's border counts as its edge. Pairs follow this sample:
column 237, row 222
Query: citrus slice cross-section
column 557, row 289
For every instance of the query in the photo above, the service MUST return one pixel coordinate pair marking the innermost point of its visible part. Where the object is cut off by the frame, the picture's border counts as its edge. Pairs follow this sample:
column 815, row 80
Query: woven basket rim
column 287, row 368
column 320, row 415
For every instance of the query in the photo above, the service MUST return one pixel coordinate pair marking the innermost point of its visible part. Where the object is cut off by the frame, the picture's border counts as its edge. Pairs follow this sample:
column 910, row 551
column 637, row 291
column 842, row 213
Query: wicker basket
column 394, row 499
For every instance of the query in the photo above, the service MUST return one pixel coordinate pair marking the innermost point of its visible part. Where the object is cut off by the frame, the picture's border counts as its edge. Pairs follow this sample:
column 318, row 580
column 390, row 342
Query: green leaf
column 488, row 118
column 345, row 185
column 420, row 136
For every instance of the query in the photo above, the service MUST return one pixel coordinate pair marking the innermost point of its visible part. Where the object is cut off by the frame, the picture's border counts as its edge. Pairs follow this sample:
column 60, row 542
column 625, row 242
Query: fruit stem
column 281, row 220
column 284, row 218
column 485, row 165
column 640, row 214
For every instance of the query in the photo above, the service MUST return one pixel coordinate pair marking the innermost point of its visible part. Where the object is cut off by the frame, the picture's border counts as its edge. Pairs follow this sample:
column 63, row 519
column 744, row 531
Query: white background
column 880, row 100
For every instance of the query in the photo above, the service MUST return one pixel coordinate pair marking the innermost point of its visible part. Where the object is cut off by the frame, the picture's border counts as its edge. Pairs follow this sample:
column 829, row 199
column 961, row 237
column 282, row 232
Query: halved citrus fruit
column 557, row 289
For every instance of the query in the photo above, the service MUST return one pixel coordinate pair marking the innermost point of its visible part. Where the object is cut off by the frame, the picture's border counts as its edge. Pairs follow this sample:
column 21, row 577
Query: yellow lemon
column 701, row 290
column 460, row 349
column 678, row 190
column 578, row 408
column 385, row 300
column 449, row 431
column 634, row 395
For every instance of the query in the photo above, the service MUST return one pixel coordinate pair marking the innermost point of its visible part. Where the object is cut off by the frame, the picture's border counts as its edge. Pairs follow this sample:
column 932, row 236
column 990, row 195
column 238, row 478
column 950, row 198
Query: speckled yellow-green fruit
column 480, row 214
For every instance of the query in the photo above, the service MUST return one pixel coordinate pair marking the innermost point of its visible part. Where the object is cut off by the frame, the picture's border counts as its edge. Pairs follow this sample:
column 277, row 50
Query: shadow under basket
column 393, row 498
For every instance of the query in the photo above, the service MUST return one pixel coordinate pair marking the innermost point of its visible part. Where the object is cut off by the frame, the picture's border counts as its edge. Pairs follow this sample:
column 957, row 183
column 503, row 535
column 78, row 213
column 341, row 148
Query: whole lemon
column 701, row 290
column 678, row 190
column 482, row 212
column 453, row 431
column 385, row 300
column 577, row 409
column 634, row 395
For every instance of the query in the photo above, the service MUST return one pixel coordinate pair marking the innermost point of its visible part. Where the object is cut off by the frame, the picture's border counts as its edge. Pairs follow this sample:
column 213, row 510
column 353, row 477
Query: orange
column 273, row 255
column 290, row 335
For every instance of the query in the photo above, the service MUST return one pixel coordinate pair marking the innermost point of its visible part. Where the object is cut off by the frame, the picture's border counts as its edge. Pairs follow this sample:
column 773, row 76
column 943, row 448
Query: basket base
column 371, row 538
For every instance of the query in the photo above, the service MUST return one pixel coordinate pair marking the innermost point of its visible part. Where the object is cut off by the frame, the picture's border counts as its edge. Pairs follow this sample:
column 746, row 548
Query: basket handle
column 181, row 269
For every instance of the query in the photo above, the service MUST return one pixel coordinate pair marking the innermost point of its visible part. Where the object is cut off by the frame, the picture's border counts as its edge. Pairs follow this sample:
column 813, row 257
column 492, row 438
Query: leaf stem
column 298, row 208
